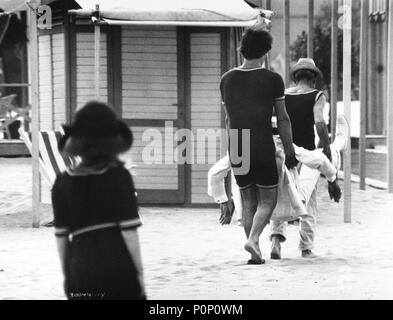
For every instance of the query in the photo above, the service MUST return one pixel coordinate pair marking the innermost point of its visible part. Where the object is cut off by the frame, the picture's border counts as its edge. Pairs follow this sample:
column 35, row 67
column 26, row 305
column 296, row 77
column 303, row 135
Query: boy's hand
column 291, row 161
column 328, row 153
column 227, row 209
column 334, row 191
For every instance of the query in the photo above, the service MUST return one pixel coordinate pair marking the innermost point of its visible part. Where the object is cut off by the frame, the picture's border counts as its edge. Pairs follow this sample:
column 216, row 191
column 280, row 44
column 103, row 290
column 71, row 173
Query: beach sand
column 188, row 255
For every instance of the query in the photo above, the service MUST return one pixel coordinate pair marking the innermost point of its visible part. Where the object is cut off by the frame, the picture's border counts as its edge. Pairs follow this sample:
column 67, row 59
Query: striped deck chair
column 51, row 161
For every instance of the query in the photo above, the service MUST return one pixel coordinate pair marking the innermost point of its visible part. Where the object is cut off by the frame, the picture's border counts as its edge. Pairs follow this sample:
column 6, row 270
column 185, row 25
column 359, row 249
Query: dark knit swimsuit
column 300, row 108
column 249, row 96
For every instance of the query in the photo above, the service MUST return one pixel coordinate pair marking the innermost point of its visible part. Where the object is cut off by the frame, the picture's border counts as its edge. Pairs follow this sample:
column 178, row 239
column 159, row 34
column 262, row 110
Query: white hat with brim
column 306, row 64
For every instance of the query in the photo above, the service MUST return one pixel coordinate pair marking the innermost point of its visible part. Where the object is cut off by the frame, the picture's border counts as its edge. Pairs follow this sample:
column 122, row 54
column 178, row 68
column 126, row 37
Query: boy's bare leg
column 249, row 207
column 277, row 235
column 267, row 199
column 275, row 253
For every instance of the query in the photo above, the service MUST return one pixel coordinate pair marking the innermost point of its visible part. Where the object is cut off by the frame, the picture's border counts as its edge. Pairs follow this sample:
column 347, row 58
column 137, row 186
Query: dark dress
column 249, row 96
column 300, row 108
column 92, row 209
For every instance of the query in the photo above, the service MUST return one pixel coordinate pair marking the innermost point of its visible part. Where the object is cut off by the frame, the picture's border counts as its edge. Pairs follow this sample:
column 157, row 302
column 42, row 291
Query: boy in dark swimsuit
column 250, row 94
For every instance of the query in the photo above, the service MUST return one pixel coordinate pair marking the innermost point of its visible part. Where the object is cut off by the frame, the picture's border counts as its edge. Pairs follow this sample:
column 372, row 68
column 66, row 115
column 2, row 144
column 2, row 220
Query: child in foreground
column 95, row 209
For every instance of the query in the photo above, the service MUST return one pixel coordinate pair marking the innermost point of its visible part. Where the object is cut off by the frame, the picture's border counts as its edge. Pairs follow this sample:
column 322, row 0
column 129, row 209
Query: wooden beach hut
column 160, row 63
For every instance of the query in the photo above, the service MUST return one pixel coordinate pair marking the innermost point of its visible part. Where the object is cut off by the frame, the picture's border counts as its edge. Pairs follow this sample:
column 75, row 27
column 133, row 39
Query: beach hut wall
column 157, row 76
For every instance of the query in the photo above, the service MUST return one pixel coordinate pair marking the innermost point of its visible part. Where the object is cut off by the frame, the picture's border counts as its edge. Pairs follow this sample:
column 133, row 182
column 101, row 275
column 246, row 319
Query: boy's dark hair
column 255, row 43
column 307, row 75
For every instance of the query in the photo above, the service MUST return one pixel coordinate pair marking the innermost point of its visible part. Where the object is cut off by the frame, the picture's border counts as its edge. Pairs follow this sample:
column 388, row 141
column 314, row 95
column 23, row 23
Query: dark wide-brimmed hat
column 306, row 64
column 95, row 132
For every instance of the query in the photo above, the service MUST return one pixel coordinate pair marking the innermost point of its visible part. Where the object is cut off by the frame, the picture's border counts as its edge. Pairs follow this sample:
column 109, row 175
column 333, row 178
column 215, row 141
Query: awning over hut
column 171, row 12
column 13, row 5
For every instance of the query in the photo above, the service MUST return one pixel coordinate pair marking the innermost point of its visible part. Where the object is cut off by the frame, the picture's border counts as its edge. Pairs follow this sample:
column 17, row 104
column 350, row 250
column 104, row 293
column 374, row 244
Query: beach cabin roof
column 171, row 12
column 13, row 5
column 19, row 5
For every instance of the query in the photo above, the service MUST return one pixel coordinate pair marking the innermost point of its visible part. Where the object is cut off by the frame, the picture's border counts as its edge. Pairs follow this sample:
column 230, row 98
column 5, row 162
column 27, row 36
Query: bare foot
column 252, row 262
column 308, row 254
column 275, row 253
column 253, row 249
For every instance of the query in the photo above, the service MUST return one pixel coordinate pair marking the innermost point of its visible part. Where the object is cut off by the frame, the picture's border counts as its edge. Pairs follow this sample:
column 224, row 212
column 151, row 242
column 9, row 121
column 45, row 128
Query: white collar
column 248, row 69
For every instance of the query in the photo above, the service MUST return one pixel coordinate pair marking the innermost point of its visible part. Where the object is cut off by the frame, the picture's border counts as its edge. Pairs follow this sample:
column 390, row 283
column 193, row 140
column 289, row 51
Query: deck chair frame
column 47, row 174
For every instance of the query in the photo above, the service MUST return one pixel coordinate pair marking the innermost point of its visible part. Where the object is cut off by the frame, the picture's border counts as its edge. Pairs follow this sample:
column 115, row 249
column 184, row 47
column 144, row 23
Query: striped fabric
column 51, row 161
column 55, row 163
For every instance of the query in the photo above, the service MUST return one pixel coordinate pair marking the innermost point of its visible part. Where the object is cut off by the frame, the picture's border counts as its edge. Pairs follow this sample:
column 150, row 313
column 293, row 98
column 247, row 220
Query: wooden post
column 35, row 122
column 334, row 69
column 347, row 97
column 378, row 102
column 390, row 101
column 385, row 88
column 286, row 42
column 363, row 88
column 268, row 5
column 372, row 62
column 97, row 48
column 385, row 62
column 268, row 56
column 310, row 34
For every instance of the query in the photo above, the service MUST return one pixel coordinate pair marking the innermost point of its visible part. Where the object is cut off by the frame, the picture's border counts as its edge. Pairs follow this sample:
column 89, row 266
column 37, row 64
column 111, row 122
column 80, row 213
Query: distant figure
column 250, row 94
column 95, row 209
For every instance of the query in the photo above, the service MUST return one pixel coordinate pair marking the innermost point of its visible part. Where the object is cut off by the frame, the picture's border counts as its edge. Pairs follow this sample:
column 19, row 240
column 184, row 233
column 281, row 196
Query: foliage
column 322, row 47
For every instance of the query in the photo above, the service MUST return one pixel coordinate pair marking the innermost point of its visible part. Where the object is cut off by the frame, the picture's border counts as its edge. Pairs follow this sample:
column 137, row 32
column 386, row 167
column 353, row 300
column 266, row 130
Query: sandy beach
column 188, row 255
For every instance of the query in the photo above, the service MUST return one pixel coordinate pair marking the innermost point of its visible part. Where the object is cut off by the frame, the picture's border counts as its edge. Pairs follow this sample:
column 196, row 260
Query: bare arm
column 321, row 126
column 285, row 129
column 131, row 239
column 324, row 142
column 216, row 180
column 217, row 189
column 62, row 247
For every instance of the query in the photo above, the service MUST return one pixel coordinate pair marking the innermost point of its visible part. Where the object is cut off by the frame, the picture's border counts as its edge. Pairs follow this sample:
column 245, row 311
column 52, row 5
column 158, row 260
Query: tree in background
column 322, row 48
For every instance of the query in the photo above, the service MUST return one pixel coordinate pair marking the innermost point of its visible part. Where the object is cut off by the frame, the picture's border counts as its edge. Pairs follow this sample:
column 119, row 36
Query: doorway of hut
column 169, row 80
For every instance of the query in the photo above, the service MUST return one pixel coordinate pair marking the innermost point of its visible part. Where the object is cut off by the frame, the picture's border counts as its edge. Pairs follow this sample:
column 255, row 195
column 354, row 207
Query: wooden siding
column 205, row 55
column 154, row 176
column 85, row 68
column 58, row 68
column 45, row 82
column 149, row 73
column 52, row 81
column 51, row 89
column 149, row 92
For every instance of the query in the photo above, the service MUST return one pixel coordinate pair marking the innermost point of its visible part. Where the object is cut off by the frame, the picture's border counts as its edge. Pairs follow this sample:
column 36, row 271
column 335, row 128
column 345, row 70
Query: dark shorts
column 262, row 167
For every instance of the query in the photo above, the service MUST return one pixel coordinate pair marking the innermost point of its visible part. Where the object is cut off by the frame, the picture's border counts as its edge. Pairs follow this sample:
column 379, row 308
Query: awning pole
column 363, row 91
column 269, row 5
column 268, row 56
column 286, row 41
column 390, row 101
column 347, row 97
column 310, row 33
column 97, row 44
column 35, row 122
column 334, row 70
